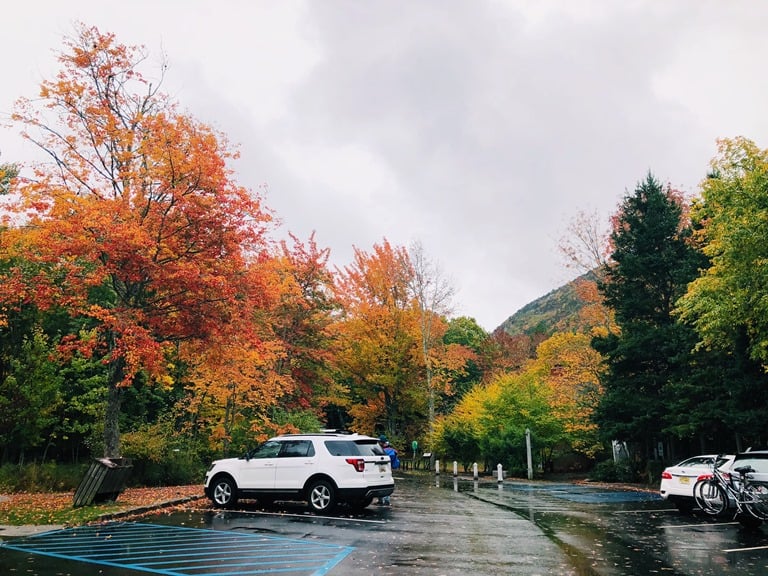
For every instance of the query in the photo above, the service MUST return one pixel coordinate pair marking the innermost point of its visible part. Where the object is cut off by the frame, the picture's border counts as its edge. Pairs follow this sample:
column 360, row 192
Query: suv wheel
column 224, row 492
column 321, row 497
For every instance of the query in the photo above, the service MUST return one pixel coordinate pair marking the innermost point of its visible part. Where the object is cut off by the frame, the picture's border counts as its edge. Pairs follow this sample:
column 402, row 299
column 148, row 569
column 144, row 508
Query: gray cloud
column 478, row 127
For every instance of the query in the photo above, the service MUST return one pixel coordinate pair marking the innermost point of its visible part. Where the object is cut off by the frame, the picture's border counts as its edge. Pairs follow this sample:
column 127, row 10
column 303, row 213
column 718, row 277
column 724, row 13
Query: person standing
column 390, row 451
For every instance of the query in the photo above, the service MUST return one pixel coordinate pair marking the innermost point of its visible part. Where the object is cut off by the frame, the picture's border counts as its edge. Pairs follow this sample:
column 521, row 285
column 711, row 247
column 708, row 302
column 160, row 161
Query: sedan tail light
column 666, row 475
column 704, row 477
column 358, row 463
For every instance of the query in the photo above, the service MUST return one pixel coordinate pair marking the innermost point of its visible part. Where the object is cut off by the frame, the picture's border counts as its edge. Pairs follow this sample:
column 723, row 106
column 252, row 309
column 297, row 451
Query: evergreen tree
column 651, row 265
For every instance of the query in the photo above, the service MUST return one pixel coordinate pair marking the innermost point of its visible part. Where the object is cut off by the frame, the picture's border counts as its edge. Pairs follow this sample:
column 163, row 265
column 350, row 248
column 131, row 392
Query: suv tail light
column 358, row 463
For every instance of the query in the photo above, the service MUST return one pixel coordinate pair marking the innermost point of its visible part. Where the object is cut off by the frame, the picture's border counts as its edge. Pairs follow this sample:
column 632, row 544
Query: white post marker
column 528, row 449
column 474, row 470
column 437, row 467
column 500, row 473
column 455, row 468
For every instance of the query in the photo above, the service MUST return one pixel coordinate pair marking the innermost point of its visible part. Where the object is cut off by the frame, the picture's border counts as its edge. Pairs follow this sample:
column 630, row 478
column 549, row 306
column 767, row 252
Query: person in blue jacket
column 394, row 460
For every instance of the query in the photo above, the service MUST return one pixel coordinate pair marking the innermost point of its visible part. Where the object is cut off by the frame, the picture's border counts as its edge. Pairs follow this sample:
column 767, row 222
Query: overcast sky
column 479, row 128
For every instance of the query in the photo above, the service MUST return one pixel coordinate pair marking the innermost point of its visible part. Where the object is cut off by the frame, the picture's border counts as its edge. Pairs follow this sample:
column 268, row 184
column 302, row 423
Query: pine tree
column 651, row 265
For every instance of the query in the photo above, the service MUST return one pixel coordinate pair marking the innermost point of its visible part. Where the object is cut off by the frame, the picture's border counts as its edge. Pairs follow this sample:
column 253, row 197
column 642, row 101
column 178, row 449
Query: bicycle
column 714, row 493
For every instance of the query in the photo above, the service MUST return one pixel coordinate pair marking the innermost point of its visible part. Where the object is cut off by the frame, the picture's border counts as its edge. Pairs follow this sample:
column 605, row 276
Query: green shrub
column 610, row 471
column 177, row 469
column 163, row 457
column 653, row 470
column 48, row 477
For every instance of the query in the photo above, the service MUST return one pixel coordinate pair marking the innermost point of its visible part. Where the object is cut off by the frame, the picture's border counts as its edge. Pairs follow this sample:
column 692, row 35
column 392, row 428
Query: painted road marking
column 180, row 551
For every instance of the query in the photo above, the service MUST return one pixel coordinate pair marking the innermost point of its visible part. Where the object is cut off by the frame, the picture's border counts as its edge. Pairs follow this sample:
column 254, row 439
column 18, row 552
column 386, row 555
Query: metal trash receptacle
column 103, row 482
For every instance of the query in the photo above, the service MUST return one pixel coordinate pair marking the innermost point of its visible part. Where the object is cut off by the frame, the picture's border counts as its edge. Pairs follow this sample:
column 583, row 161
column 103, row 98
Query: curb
column 7, row 530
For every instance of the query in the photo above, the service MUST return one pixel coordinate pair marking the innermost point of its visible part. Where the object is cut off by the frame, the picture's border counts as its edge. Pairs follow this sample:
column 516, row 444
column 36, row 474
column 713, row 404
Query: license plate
column 684, row 480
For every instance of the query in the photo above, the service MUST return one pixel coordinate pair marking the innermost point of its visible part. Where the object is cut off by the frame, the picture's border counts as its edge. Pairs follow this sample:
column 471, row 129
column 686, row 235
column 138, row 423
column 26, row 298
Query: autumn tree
column 586, row 248
column 135, row 224
column 7, row 173
column 727, row 303
column 585, row 245
column 554, row 397
column 458, row 435
column 300, row 319
column 570, row 368
column 466, row 332
column 511, row 352
column 390, row 348
column 442, row 361
column 489, row 423
column 378, row 341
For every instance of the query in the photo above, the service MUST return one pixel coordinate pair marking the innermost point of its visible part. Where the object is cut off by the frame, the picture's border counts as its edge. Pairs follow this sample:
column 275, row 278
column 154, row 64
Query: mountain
column 555, row 310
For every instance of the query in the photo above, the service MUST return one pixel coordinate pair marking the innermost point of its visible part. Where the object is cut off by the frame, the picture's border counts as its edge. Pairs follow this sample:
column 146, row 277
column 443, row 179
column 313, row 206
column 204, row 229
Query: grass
column 43, row 508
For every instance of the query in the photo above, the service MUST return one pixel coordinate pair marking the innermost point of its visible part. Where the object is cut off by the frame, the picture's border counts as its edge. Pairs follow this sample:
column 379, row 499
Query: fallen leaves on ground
column 56, row 508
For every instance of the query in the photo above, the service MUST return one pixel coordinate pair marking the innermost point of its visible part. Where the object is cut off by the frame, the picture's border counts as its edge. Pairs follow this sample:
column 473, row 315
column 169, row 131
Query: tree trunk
column 112, row 413
column 112, row 421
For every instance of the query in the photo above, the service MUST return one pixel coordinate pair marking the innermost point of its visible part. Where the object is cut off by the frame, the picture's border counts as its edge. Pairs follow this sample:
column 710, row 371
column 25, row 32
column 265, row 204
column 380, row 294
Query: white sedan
column 677, row 481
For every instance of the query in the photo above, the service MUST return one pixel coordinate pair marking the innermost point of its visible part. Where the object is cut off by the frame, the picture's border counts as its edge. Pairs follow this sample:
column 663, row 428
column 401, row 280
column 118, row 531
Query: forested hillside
column 555, row 310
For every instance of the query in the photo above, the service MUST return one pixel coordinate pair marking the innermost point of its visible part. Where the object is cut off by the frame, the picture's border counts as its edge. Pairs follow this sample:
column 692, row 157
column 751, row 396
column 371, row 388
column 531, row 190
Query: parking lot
column 434, row 526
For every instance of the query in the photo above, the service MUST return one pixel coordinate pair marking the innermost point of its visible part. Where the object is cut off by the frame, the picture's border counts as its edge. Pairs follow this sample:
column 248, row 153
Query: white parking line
column 642, row 511
column 305, row 516
column 746, row 549
column 703, row 525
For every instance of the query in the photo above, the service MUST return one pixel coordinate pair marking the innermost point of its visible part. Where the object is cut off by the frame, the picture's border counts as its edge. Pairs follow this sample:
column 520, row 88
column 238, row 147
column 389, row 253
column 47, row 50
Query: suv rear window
column 352, row 448
column 342, row 448
column 370, row 448
column 758, row 462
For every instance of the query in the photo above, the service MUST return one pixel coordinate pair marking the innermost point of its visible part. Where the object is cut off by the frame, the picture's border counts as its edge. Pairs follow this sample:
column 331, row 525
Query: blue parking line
column 182, row 551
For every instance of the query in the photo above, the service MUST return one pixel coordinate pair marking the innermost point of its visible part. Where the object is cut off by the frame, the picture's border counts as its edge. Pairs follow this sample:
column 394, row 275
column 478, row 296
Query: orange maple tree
column 301, row 319
column 136, row 223
column 377, row 337
column 389, row 343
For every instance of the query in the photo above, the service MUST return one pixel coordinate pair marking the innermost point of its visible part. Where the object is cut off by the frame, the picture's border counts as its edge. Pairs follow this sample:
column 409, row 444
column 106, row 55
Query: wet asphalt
column 435, row 526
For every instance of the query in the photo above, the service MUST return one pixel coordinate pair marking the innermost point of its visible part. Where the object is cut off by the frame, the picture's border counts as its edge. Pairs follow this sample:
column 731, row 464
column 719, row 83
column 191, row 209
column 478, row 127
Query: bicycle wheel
column 756, row 500
column 710, row 497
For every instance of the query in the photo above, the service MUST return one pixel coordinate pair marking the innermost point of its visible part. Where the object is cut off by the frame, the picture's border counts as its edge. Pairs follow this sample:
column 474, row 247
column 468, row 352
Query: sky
column 477, row 128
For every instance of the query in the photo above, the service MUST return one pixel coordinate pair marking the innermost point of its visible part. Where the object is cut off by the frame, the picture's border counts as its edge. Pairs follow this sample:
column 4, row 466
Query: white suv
column 323, row 469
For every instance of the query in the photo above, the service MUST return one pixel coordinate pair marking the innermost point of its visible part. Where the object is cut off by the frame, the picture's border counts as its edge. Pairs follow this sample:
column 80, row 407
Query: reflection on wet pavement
column 625, row 532
column 455, row 526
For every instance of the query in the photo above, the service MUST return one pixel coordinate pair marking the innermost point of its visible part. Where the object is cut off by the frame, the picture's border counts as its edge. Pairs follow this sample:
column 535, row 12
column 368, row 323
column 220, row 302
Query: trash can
column 104, row 481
